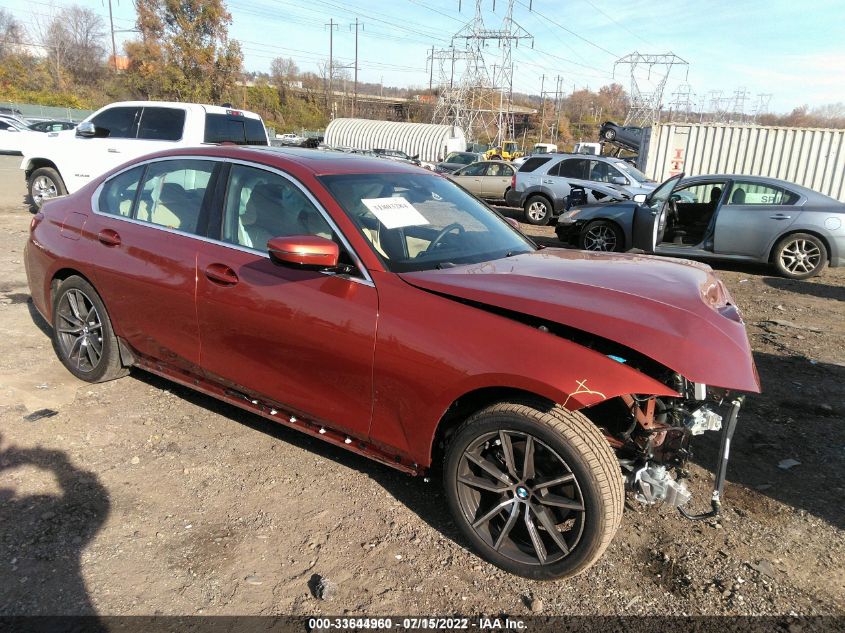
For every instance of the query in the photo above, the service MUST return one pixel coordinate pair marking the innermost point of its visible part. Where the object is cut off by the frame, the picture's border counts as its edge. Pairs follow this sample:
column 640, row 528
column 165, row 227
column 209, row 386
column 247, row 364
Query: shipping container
column 429, row 142
column 811, row 157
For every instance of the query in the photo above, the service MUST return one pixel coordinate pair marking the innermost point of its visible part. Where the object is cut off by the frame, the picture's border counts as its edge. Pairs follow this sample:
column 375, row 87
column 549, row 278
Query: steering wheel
column 446, row 230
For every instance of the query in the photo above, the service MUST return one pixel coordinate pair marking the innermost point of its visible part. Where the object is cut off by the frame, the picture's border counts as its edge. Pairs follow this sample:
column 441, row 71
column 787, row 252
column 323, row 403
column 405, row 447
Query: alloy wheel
column 800, row 256
column 43, row 188
column 520, row 497
column 536, row 211
column 600, row 238
column 80, row 330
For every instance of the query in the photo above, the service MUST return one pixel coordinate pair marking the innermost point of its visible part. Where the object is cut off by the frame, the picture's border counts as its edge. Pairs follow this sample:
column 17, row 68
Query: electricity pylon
column 646, row 105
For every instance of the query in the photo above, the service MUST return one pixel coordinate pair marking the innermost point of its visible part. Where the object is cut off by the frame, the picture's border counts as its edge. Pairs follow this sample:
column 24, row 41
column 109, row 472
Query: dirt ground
column 142, row 497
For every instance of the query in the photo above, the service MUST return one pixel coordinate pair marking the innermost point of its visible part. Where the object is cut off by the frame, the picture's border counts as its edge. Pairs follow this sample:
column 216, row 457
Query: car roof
column 211, row 109
column 318, row 162
column 811, row 195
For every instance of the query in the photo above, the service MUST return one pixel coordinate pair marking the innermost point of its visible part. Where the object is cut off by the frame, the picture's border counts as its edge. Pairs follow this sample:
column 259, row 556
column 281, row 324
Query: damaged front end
column 652, row 437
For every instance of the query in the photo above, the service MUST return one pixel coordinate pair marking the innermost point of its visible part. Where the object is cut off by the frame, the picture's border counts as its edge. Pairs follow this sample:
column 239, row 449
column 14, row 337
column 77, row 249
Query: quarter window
column 753, row 193
column 117, row 196
column 173, row 193
column 261, row 205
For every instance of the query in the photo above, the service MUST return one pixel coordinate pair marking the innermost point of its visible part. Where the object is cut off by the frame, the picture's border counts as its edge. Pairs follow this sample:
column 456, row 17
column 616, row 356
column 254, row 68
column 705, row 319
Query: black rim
column 520, row 497
column 80, row 331
column 600, row 237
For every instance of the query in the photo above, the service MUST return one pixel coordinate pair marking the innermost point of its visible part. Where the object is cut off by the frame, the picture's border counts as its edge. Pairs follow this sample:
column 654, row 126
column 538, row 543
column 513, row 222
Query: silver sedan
column 728, row 217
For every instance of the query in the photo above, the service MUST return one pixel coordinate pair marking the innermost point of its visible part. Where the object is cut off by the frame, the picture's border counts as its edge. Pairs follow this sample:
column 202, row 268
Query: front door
column 302, row 339
column 751, row 217
column 496, row 180
column 650, row 216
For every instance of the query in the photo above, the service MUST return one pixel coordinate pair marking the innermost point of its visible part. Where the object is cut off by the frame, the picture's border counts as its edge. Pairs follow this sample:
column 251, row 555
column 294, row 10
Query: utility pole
column 431, row 70
column 543, row 115
column 355, row 93
column 113, row 46
column 329, row 95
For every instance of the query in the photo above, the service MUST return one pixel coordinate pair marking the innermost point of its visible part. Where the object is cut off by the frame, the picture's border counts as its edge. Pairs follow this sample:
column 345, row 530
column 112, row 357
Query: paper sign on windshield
column 394, row 213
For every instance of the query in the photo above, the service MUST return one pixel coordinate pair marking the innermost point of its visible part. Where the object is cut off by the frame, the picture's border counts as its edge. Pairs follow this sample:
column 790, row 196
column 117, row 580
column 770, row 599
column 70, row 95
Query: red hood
column 676, row 312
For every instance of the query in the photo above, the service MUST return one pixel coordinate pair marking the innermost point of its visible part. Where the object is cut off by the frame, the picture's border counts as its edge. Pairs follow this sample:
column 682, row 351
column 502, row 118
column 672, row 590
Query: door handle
column 109, row 237
column 221, row 274
column 780, row 216
column 114, row 150
column 548, row 182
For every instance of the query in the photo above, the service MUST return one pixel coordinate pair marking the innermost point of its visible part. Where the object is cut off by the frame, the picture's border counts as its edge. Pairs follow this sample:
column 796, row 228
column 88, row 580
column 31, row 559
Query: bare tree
column 11, row 34
column 282, row 71
column 73, row 42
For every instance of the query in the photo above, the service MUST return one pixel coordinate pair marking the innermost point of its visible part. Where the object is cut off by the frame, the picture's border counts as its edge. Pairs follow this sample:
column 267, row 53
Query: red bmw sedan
column 384, row 309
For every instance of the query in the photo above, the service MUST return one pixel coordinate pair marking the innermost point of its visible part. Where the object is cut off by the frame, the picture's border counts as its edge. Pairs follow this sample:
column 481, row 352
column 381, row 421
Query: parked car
column 63, row 162
column 15, row 136
column 744, row 218
column 389, row 312
column 11, row 111
column 290, row 139
column 543, row 183
column 456, row 160
column 52, row 126
column 489, row 180
column 628, row 136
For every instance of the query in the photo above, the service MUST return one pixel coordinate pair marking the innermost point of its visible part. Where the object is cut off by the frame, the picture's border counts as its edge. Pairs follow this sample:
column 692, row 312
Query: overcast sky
column 792, row 50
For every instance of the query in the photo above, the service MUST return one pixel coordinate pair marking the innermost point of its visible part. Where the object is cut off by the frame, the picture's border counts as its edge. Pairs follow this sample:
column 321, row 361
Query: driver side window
column 474, row 170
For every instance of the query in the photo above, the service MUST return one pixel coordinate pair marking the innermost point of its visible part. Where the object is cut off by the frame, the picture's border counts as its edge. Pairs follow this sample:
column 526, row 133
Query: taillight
column 513, row 182
column 35, row 221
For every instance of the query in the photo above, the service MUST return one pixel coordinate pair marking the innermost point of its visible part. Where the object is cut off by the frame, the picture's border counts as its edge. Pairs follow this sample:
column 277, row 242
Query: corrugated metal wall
column 430, row 142
column 811, row 157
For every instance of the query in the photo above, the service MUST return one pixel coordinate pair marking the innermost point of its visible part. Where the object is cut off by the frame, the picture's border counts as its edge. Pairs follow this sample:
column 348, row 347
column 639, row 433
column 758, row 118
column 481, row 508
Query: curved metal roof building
column 430, row 142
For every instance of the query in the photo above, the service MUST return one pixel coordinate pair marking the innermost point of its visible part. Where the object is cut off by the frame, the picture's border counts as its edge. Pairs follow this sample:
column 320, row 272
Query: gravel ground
column 141, row 497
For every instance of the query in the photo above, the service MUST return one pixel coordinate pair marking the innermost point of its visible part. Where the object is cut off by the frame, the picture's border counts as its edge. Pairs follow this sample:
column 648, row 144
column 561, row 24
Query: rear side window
column 173, row 193
column 533, row 163
column 162, row 124
column 575, row 168
column 223, row 128
column 118, row 194
column 119, row 122
column 756, row 193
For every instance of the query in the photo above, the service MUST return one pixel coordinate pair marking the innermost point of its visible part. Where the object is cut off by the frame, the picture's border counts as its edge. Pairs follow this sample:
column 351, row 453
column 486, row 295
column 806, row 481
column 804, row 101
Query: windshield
column 461, row 159
column 16, row 124
column 421, row 222
column 635, row 173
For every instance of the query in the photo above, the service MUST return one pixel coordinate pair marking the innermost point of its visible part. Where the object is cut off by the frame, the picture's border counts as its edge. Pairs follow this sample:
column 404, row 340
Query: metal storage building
column 812, row 157
column 430, row 142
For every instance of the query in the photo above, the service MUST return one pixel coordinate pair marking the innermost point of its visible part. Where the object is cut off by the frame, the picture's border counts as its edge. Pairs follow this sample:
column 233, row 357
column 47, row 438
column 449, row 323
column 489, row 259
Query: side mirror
column 619, row 180
column 303, row 251
column 639, row 198
column 513, row 223
column 86, row 129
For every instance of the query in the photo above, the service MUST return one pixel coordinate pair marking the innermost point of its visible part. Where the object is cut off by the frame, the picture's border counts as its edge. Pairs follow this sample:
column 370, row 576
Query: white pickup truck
column 63, row 162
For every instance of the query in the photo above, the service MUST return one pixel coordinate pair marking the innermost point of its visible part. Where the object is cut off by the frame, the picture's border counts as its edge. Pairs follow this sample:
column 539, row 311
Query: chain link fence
column 29, row 111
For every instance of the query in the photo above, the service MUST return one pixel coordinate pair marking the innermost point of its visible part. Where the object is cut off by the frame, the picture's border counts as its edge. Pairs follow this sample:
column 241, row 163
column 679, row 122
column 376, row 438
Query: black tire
column 44, row 184
column 564, row 445
column 78, row 316
column 609, row 134
column 800, row 256
column 602, row 235
column 538, row 210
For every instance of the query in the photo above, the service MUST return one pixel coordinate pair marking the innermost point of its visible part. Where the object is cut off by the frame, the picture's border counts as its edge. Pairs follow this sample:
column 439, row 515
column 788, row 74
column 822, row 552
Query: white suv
column 62, row 163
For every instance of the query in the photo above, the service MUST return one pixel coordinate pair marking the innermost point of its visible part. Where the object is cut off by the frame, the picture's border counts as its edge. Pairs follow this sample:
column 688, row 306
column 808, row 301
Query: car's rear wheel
column 535, row 488
column 538, row 210
column 601, row 235
column 83, row 337
column 609, row 134
column 45, row 184
column 800, row 256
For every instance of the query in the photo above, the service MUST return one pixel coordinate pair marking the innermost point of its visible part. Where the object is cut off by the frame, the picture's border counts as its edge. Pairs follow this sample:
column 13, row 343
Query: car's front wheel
column 83, row 337
column 538, row 210
column 800, row 256
column 609, row 134
column 535, row 488
column 45, row 183
column 601, row 235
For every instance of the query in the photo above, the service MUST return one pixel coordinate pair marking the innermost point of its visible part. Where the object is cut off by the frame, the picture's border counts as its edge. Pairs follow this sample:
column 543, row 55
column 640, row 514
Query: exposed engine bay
column 652, row 437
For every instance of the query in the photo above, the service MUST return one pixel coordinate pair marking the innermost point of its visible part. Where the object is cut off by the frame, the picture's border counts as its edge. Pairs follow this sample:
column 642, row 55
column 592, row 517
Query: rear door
column 145, row 231
column 752, row 216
